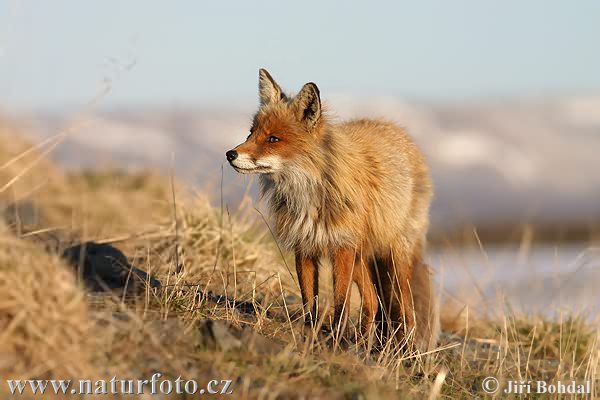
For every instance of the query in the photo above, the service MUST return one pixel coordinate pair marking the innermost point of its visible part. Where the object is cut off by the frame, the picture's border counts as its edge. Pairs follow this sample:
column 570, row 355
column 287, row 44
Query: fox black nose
column 231, row 155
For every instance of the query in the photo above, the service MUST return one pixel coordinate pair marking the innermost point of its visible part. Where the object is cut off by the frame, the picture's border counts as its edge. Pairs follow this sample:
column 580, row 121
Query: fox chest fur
column 306, row 218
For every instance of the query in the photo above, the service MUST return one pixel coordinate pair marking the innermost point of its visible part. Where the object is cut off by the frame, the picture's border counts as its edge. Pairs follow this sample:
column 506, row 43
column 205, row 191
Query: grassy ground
column 229, row 307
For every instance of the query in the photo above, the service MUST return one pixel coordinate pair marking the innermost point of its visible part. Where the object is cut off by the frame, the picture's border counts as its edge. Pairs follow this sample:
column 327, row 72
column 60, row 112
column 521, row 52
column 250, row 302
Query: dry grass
column 216, row 265
column 43, row 314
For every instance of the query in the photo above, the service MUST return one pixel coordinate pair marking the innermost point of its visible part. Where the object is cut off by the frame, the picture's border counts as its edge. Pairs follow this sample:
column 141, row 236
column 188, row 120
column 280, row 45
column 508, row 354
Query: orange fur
column 357, row 193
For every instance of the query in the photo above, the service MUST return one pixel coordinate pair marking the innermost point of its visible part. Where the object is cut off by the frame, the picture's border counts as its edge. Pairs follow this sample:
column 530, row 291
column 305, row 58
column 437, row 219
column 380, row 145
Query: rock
column 22, row 216
column 292, row 299
column 101, row 266
column 244, row 307
column 258, row 343
column 224, row 336
column 218, row 335
column 104, row 267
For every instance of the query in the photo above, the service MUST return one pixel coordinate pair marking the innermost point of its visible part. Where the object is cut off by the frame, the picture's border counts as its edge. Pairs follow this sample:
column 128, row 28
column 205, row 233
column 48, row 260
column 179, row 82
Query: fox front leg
column 308, row 276
column 343, row 264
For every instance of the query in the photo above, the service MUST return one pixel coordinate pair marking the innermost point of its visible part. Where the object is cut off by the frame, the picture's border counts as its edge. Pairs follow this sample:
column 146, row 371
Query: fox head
column 283, row 130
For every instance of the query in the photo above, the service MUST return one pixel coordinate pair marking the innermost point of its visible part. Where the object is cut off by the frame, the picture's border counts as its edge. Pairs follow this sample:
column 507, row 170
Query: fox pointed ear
column 308, row 103
column 268, row 90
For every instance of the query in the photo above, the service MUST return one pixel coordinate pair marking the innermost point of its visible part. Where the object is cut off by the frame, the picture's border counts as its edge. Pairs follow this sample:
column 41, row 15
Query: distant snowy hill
column 533, row 159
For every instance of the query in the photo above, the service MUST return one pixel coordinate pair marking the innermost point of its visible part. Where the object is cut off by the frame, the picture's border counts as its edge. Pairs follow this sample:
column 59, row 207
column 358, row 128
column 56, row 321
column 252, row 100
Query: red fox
column 357, row 193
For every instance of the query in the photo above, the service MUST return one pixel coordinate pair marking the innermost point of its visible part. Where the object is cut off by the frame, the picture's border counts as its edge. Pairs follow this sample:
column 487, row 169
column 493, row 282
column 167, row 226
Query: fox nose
column 231, row 155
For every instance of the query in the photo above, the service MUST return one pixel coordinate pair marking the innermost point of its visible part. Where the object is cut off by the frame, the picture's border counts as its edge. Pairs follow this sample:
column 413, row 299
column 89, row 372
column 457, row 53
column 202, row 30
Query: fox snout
column 246, row 163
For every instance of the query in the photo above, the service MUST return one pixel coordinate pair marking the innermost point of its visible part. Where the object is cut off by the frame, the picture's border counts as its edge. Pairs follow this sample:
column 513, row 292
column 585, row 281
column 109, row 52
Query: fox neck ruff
column 308, row 199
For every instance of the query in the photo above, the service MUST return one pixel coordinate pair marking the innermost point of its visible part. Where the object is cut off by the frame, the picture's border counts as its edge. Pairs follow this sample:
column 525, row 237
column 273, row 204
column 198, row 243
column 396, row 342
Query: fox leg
column 426, row 311
column 407, row 310
column 392, row 277
column 419, row 313
column 343, row 264
column 308, row 277
column 383, row 284
column 418, row 306
column 368, row 294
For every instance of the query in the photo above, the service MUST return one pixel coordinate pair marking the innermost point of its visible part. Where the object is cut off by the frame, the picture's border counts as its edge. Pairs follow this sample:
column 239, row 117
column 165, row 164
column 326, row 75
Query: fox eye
column 273, row 139
column 249, row 135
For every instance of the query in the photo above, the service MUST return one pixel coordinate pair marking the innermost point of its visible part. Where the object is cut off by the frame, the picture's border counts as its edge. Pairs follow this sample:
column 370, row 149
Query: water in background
column 543, row 279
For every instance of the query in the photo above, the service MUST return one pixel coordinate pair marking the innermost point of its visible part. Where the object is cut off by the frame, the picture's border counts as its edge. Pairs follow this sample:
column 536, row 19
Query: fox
column 356, row 193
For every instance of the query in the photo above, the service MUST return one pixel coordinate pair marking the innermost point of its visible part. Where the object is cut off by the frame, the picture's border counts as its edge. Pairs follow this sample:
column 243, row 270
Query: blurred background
column 502, row 97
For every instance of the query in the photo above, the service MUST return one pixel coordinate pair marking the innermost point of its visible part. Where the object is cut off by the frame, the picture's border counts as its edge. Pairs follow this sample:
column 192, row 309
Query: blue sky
column 57, row 53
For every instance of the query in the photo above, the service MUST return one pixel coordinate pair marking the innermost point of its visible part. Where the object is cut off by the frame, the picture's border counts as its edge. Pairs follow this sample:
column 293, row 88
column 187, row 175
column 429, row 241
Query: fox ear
column 308, row 103
column 268, row 90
